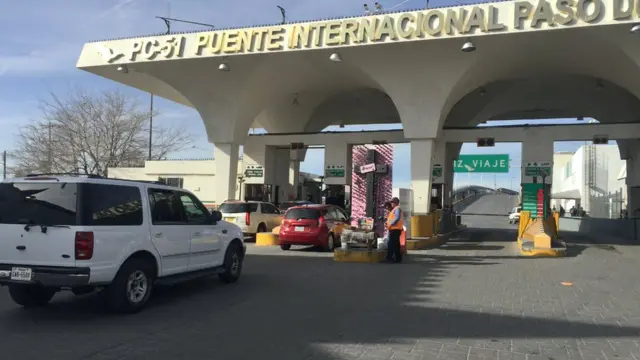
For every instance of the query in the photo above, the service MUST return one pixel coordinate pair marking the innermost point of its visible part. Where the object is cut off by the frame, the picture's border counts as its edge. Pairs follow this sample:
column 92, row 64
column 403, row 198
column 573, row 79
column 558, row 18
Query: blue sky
column 42, row 40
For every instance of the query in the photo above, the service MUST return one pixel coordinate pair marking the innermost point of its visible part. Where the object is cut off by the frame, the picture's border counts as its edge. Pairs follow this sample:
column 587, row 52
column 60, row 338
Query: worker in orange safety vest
column 395, row 225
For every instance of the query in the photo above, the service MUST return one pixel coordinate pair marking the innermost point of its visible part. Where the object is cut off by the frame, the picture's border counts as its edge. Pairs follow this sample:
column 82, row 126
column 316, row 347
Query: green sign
column 487, row 163
column 334, row 171
column 254, row 171
column 537, row 168
column 437, row 171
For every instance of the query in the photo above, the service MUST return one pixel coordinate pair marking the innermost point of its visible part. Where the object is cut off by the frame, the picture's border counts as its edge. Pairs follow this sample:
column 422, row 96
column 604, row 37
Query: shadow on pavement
column 290, row 307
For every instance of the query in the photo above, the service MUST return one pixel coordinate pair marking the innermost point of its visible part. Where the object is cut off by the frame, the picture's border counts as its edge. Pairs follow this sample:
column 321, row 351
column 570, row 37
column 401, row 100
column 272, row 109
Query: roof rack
column 92, row 176
column 157, row 182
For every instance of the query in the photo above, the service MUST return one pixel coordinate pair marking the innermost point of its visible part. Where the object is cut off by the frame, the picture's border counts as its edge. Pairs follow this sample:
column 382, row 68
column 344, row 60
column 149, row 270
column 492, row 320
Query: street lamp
column 240, row 181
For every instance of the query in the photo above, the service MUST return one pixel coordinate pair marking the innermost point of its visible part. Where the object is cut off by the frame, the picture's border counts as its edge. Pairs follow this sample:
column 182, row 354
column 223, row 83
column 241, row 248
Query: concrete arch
column 353, row 107
column 268, row 96
column 528, row 58
column 552, row 96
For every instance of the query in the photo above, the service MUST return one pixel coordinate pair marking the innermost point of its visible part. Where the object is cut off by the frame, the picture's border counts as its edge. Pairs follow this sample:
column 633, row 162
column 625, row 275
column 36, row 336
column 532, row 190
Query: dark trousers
column 393, row 246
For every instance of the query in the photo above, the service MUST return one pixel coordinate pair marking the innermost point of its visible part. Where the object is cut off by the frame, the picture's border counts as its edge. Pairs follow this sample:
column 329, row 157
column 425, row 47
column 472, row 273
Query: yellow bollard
column 266, row 239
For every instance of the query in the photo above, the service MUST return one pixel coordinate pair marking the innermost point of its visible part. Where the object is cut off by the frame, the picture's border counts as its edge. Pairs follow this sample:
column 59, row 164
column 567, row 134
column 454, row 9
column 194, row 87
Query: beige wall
column 197, row 175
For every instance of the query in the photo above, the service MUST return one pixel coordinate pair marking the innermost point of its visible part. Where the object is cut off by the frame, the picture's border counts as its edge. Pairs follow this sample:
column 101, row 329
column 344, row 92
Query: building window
column 172, row 181
column 567, row 169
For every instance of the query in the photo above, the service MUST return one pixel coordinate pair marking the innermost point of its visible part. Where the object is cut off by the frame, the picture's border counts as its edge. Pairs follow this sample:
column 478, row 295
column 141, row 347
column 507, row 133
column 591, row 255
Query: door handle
column 197, row 234
column 224, row 231
column 157, row 235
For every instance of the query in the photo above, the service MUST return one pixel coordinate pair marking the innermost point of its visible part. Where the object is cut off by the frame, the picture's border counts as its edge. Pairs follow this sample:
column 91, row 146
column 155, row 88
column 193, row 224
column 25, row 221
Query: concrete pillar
column 258, row 158
column 294, row 179
column 337, row 161
column 536, row 148
column 633, row 183
column 422, row 151
column 226, row 176
column 452, row 150
column 439, row 159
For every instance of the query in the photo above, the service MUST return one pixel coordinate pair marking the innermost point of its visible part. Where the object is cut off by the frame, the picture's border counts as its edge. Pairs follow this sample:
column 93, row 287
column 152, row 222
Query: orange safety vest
column 397, row 226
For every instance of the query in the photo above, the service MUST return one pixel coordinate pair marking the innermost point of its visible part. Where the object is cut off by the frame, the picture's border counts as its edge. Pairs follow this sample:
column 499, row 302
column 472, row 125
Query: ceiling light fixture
column 123, row 69
column 482, row 92
column 635, row 29
column 468, row 46
column 335, row 57
column 224, row 66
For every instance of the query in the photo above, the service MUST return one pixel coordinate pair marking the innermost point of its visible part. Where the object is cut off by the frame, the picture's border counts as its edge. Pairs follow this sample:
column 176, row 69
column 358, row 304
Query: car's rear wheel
column 331, row 242
column 262, row 228
column 285, row 246
column 232, row 264
column 132, row 286
column 30, row 295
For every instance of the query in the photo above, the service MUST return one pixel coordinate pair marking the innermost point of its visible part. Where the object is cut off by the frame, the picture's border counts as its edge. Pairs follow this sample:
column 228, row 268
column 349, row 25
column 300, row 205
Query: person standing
column 395, row 225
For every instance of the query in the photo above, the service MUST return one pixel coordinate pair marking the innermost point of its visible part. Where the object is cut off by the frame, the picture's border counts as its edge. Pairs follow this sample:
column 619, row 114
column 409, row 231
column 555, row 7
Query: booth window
column 172, row 181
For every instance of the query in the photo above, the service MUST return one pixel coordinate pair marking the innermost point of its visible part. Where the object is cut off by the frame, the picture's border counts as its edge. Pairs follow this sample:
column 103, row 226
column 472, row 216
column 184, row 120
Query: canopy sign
column 486, row 163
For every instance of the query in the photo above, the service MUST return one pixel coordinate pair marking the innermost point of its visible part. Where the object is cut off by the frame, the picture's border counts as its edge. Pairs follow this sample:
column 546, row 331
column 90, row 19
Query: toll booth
column 437, row 196
column 261, row 192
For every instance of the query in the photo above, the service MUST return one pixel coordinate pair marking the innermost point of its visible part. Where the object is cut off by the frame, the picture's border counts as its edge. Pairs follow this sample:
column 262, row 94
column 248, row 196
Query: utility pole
column 50, row 149
column 4, row 164
column 150, row 125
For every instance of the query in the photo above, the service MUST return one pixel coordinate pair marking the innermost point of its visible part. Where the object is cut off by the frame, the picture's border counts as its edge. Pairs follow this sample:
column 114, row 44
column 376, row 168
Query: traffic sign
column 436, row 172
column 334, row 171
column 537, row 168
column 486, row 163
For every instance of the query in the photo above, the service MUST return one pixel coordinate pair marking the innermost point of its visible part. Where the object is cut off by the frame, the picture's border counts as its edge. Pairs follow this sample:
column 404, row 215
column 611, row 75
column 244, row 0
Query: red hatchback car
column 316, row 225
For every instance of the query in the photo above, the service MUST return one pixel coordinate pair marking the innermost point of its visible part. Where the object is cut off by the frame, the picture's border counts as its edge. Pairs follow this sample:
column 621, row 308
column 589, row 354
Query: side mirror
column 216, row 215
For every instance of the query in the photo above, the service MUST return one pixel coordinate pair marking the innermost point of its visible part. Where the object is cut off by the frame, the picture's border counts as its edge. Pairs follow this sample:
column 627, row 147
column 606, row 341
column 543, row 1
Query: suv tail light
column 84, row 245
column 247, row 218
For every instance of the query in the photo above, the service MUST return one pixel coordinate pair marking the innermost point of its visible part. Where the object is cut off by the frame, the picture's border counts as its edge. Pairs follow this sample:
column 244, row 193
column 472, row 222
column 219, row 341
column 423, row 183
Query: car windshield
column 234, row 208
column 38, row 203
column 302, row 214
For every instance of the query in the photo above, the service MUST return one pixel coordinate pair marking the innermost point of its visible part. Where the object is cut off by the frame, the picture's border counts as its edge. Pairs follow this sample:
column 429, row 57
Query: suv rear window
column 302, row 214
column 38, row 203
column 57, row 204
column 234, row 208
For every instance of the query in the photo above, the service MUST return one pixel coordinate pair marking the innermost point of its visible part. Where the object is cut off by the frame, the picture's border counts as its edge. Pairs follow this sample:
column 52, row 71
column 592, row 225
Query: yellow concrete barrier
column 422, row 226
column 523, row 223
column 359, row 255
column 266, row 239
column 539, row 238
column 424, row 243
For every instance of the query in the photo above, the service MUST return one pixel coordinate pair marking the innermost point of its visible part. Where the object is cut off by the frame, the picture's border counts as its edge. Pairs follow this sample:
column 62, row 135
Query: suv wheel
column 30, row 295
column 331, row 242
column 262, row 228
column 232, row 264
column 132, row 286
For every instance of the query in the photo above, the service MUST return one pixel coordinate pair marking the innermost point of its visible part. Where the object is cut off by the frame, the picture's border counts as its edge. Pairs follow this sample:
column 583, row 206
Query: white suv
column 122, row 237
column 251, row 216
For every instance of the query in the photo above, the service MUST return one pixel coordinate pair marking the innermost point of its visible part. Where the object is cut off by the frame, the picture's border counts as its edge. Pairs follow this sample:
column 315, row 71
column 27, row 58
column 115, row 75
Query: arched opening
column 555, row 99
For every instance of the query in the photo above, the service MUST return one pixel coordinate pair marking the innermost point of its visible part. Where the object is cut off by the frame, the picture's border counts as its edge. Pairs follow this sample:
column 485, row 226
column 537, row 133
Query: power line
column 168, row 20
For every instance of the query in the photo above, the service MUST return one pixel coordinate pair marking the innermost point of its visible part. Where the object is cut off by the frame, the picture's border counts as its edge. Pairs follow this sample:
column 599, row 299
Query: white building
column 198, row 176
column 590, row 178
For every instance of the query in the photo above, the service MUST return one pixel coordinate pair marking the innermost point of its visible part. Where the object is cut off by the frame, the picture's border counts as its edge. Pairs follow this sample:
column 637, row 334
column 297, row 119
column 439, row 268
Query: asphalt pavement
column 473, row 298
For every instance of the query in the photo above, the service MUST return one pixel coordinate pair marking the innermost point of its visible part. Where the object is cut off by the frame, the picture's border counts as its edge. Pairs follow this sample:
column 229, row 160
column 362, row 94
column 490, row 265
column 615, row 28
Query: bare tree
column 89, row 134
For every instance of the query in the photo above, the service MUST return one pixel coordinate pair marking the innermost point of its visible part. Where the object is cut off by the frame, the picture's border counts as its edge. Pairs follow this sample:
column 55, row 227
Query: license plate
column 230, row 219
column 21, row 274
column 299, row 228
